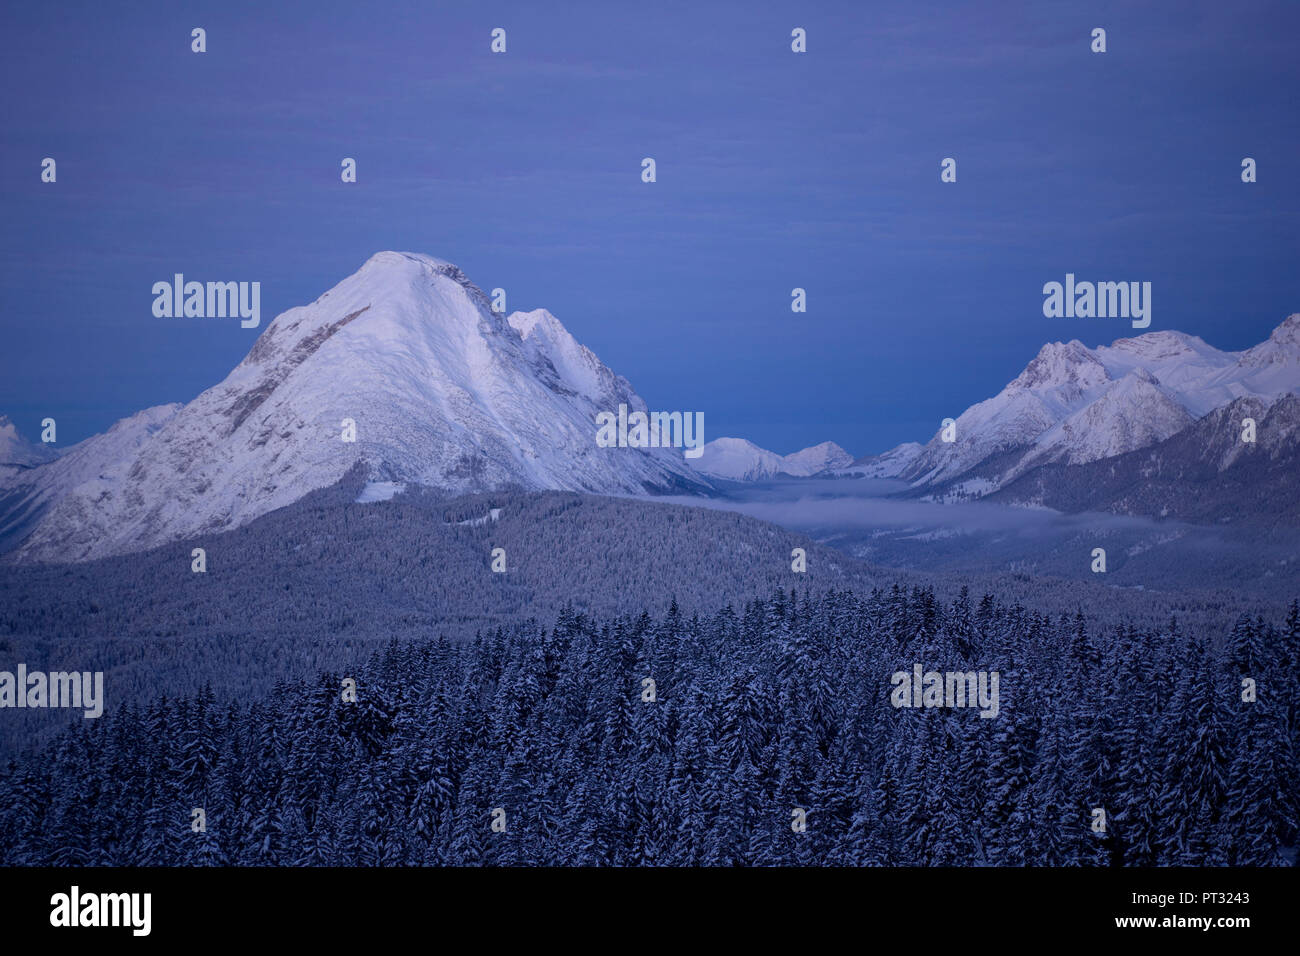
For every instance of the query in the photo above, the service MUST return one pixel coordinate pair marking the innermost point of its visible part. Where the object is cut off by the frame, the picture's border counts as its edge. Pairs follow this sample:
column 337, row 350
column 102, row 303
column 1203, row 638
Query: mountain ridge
column 738, row 459
column 1076, row 405
column 404, row 370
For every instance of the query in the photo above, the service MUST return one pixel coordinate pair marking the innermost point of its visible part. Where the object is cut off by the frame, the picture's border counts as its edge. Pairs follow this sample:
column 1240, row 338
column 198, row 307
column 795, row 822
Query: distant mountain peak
column 1074, row 404
column 1282, row 344
column 1062, row 363
column 17, row 451
column 738, row 459
column 1288, row 330
column 1162, row 342
column 814, row 459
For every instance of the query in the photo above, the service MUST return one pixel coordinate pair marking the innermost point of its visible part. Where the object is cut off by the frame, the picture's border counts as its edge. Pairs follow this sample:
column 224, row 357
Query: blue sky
column 775, row 170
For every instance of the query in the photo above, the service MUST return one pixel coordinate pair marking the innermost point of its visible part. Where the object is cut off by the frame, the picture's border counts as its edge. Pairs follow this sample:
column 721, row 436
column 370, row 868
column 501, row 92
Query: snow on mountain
column 546, row 340
column 96, row 463
column 1205, row 473
column 1131, row 413
column 1183, row 364
column 1267, row 370
column 889, row 464
column 738, row 460
column 813, row 460
column 443, row 392
column 1010, row 420
column 17, row 452
column 1075, row 405
column 1070, row 405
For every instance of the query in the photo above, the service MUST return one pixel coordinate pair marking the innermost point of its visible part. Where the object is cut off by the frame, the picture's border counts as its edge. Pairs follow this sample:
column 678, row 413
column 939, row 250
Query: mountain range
column 405, row 372
column 737, row 459
column 1074, row 405
column 1150, row 425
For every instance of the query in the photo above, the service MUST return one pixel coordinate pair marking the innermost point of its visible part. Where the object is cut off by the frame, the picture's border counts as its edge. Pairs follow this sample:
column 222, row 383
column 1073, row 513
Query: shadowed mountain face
column 1205, row 473
column 407, row 357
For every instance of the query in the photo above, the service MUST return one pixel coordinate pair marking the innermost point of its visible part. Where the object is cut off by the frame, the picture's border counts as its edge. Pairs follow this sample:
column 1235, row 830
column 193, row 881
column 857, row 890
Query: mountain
column 889, row 464
column 1073, row 405
column 1131, row 413
column 443, row 393
column 737, row 459
column 94, row 466
column 17, row 452
column 1205, row 473
column 826, row 456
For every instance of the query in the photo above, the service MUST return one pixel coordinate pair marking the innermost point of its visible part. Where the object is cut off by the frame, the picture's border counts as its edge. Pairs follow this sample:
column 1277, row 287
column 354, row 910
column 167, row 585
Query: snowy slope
column 97, row 463
column 443, row 392
column 1183, row 364
column 1131, row 413
column 1204, row 473
column 1267, row 370
column 1061, row 379
column 889, row 464
column 546, row 340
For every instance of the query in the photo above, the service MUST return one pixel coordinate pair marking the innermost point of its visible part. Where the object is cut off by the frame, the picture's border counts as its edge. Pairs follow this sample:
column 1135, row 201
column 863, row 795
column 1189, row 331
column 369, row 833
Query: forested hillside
column 316, row 585
column 551, row 734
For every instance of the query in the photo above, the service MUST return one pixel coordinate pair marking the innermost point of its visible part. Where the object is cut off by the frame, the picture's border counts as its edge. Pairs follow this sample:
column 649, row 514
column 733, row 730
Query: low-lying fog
column 864, row 518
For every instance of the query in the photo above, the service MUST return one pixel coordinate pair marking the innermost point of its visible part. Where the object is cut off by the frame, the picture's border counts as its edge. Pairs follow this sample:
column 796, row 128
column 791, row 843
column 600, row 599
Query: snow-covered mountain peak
column 538, row 322
column 389, row 257
column 554, row 351
column 1062, row 364
column 1162, row 346
column 1131, row 413
column 1282, row 347
column 1185, row 365
column 546, row 335
column 1288, row 331
column 817, row 458
column 402, row 369
column 403, row 269
column 396, row 295
column 738, row 459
